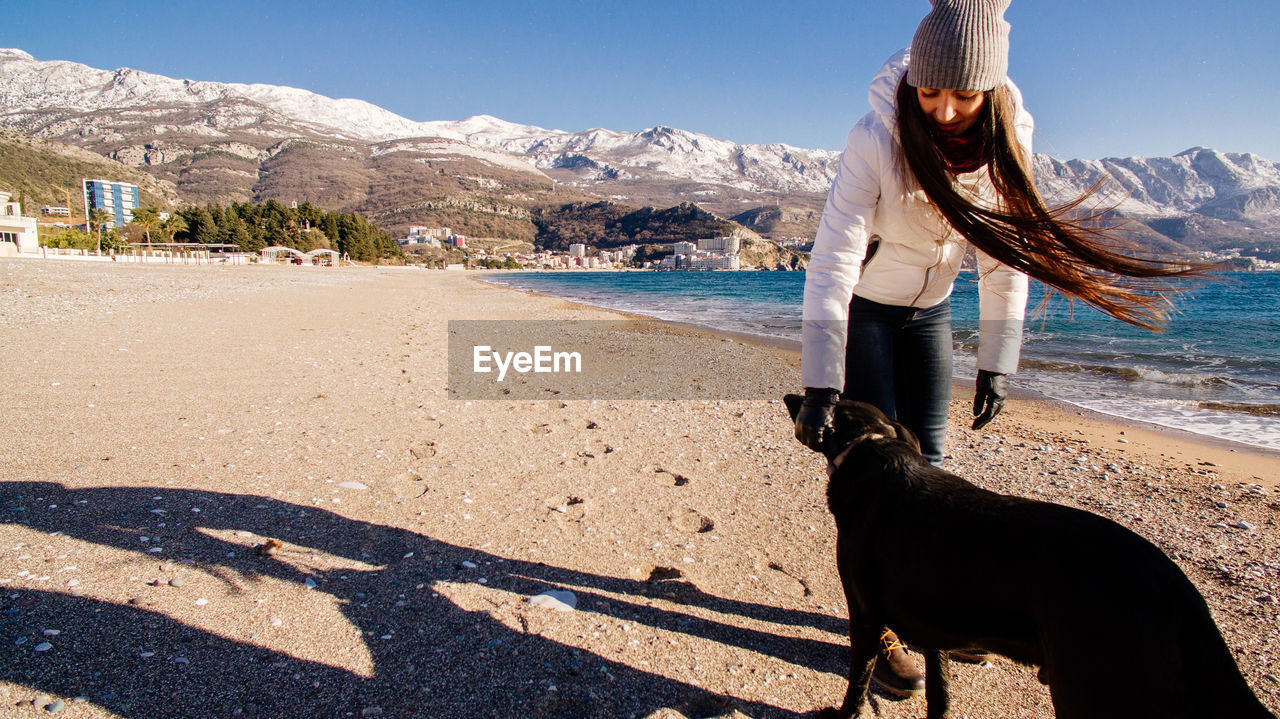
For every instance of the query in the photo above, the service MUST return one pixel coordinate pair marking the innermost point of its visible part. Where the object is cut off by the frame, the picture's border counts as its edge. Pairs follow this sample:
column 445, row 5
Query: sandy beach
column 246, row 492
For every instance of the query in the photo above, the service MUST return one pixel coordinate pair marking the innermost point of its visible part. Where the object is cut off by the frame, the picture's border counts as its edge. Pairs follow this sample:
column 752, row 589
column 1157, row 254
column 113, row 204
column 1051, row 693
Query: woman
column 943, row 161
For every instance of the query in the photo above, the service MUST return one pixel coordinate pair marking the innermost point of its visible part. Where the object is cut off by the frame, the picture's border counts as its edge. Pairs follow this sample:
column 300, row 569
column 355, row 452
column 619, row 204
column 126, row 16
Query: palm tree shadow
column 141, row 663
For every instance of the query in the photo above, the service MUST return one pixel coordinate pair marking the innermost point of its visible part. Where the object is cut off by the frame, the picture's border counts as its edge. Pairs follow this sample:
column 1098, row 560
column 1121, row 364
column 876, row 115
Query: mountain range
column 223, row 142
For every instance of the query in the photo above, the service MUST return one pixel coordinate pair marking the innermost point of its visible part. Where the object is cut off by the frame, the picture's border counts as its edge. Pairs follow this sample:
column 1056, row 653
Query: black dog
column 1115, row 627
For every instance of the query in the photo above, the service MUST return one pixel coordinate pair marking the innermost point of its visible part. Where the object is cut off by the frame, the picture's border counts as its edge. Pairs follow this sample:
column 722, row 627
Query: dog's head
column 854, row 423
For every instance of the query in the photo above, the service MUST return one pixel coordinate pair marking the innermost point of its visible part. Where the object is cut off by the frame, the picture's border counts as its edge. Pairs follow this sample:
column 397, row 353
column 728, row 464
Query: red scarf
column 964, row 153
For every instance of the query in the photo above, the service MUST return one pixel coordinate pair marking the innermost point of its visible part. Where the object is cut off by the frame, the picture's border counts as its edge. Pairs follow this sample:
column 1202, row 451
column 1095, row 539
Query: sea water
column 1214, row 370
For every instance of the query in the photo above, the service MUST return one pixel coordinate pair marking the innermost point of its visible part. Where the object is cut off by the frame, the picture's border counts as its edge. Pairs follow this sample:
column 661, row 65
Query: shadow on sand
column 444, row 661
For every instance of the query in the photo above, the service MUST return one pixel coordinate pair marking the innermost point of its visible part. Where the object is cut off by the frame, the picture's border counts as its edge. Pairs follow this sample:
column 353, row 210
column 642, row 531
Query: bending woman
column 943, row 162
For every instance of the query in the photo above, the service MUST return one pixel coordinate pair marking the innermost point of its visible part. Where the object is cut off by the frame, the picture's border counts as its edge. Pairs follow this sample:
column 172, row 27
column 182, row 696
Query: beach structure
column 119, row 199
column 287, row 255
column 17, row 233
column 181, row 253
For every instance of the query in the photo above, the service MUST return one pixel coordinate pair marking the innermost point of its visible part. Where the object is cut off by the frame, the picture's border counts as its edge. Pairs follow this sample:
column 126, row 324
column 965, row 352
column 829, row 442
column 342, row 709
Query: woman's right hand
column 814, row 420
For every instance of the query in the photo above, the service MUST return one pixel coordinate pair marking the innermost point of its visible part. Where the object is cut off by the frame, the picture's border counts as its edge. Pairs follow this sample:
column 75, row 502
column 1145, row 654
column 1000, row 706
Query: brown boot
column 894, row 670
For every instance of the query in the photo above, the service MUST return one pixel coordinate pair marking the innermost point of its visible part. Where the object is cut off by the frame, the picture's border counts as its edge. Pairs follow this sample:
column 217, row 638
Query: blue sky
column 1103, row 78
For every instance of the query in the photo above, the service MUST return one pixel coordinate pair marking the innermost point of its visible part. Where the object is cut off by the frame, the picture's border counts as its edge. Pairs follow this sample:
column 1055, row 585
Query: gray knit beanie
column 961, row 45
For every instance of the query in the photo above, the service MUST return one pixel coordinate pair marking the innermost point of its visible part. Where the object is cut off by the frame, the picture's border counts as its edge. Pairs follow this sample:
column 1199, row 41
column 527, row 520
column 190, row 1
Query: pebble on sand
column 557, row 599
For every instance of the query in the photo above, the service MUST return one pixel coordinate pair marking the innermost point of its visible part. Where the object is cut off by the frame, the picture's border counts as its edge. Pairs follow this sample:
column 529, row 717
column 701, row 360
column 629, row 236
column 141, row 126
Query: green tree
column 69, row 239
column 148, row 218
column 238, row 234
column 201, row 226
column 97, row 218
column 173, row 226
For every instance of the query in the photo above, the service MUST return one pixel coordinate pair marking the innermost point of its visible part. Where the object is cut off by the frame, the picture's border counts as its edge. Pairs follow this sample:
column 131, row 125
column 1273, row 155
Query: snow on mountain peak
column 67, row 99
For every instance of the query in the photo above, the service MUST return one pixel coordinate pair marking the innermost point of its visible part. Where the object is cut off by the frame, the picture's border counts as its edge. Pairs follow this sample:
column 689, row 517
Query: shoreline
column 1221, row 452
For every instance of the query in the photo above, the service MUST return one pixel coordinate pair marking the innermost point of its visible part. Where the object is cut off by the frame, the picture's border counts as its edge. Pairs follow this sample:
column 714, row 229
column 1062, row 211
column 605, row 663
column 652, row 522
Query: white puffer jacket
column 919, row 254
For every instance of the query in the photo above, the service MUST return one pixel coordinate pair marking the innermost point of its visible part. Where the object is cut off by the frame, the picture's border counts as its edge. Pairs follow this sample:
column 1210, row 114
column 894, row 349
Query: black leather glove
column 813, row 421
column 988, row 400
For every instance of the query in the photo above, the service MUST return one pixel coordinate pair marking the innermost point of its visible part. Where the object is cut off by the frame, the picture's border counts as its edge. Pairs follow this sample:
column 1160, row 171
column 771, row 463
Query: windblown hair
column 1072, row 251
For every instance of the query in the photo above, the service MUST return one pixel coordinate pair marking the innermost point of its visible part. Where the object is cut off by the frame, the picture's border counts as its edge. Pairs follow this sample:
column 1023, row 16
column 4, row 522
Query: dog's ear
column 904, row 434
column 793, row 402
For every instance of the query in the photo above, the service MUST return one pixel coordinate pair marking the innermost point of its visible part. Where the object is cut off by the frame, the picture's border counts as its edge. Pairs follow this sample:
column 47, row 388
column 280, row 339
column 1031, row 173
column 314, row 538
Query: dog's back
column 1117, row 628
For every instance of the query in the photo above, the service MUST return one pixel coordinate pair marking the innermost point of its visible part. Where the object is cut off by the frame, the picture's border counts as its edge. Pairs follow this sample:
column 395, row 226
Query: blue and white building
column 119, row 199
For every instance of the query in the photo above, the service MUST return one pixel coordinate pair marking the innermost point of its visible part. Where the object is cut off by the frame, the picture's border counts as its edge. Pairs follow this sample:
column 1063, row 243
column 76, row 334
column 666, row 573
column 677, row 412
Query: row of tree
column 248, row 226
column 305, row 227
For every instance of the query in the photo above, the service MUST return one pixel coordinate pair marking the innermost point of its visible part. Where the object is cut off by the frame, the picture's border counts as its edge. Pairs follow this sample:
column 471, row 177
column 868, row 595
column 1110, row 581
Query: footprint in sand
column 567, row 509
column 782, row 582
column 425, row 449
column 674, row 479
column 408, row 485
column 667, row 583
column 689, row 520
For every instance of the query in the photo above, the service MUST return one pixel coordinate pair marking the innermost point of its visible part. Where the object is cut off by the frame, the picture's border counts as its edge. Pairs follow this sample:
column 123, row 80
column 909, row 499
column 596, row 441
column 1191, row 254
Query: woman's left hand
column 988, row 400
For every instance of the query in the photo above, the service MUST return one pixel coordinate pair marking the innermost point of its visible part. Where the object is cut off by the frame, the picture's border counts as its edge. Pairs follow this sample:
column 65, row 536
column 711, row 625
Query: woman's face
column 952, row 112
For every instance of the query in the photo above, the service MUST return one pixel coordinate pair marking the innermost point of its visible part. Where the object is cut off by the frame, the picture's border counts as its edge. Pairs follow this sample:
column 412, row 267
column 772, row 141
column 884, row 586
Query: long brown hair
column 1070, row 250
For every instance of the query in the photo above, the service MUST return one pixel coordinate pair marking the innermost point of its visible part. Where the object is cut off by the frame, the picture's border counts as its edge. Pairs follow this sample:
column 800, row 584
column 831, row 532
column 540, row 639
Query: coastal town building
column 577, row 250
column 119, row 199
column 717, row 253
column 56, row 210
column 17, row 233
column 724, row 245
column 421, row 235
column 619, row 255
column 715, row 262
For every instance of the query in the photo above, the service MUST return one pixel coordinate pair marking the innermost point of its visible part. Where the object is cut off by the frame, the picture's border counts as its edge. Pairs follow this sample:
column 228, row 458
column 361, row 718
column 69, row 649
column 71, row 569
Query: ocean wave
column 1130, row 373
column 1240, row 423
column 1256, row 410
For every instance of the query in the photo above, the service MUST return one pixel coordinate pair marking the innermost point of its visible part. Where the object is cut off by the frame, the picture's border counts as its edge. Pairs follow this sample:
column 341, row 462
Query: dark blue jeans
column 899, row 359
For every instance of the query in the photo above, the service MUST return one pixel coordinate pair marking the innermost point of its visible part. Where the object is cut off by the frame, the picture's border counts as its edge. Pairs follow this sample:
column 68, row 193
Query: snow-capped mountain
column 1195, row 180
column 229, row 141
column 49, row 98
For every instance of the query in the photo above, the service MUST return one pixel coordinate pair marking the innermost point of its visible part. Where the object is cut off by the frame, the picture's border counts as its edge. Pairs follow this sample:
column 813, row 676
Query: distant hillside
column 608, row 224
column 38, row 167
column 778, row 221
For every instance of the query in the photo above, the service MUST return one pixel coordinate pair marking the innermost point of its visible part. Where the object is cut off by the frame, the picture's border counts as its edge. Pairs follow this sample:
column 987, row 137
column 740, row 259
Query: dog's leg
column 864, row 640
column 937, row 683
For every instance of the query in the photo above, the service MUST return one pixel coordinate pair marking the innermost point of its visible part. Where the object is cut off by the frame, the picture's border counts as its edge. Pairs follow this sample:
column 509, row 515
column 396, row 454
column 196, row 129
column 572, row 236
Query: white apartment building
column 725, row 245
column 577, row 250
column 683, row 248
column 17, row 233
column 715, row 262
